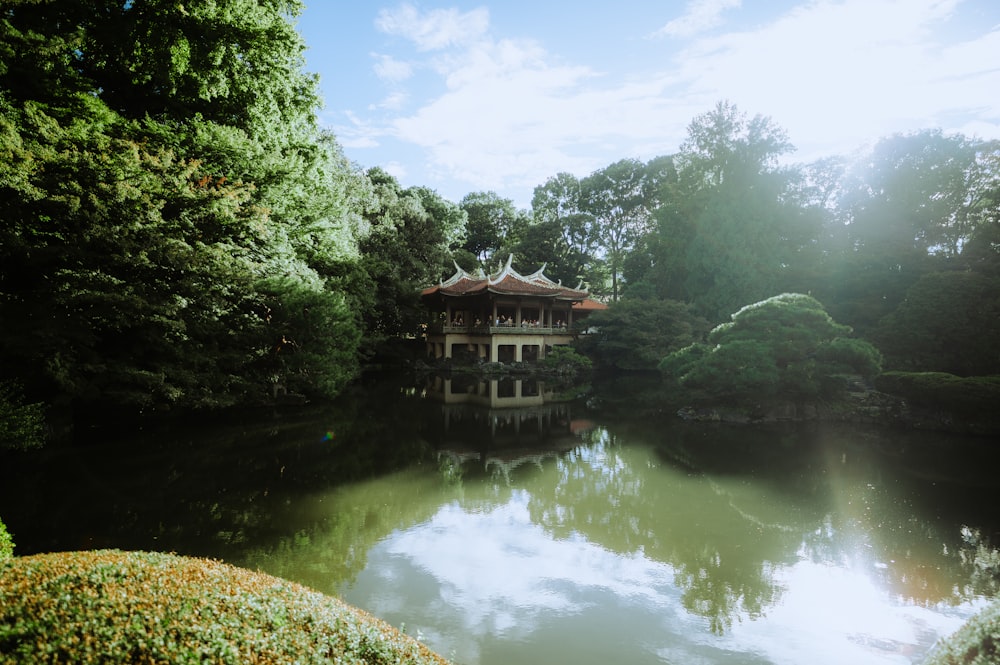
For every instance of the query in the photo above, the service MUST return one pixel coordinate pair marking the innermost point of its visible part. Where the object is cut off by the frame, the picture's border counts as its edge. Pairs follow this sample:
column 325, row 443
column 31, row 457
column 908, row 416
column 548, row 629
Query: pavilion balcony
column 526, row 329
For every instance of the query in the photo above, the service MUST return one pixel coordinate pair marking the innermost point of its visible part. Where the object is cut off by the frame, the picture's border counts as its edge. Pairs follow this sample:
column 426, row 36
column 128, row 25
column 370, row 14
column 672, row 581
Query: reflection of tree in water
column 334, row 549
column 212, row 489
column 722, row 540
column 728, row 512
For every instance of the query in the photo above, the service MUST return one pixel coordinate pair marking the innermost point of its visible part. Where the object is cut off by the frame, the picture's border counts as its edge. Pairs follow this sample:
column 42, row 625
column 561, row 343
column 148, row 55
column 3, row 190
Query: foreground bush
column 121, row 607
column 976, row 643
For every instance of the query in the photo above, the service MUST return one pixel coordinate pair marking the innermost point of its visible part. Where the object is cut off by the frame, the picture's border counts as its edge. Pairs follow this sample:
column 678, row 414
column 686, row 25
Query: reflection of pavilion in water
column 498, row 393
column 526, row 430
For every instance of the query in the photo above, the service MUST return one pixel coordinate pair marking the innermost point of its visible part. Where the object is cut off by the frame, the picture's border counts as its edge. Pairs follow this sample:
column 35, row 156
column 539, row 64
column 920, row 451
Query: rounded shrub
column 977, row 642
column 136, row 607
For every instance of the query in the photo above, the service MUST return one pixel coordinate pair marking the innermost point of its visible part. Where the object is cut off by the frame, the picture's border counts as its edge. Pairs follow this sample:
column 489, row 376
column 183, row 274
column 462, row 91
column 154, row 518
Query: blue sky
column 499, row 96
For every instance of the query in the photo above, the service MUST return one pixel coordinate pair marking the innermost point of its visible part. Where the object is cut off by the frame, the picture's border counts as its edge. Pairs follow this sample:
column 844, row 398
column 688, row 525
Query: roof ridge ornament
column 506, row 270
column 540, row 274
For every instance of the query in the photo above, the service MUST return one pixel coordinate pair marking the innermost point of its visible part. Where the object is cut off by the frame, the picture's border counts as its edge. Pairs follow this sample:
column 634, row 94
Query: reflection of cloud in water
column 501, row 559
column 831, row 616
column 497, row 576
column 491, row 583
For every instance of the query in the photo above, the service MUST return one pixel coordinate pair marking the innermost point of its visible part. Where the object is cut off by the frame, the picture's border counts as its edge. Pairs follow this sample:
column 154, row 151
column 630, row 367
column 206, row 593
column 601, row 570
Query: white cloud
column 513, row 115
column 846, row 72
column 357, row 134
column 836, row 74
column 396, row 170
column 436, row 29
column 699, row 15
column 393, row 102
column 390, row 69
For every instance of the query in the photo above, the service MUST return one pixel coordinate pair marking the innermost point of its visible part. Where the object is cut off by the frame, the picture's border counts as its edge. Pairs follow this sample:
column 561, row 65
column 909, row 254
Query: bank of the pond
column 866, row 407
column 113, row 607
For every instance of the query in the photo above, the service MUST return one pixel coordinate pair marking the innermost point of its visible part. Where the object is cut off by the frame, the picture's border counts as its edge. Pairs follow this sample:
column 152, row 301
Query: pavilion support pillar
column 519, row 351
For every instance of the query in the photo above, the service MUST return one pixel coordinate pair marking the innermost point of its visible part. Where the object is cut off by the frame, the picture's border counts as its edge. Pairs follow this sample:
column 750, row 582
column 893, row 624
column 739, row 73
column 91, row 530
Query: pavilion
column 503, row 317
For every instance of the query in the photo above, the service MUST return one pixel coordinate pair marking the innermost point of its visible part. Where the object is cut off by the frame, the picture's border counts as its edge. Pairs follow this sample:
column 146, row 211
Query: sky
column 499, row 96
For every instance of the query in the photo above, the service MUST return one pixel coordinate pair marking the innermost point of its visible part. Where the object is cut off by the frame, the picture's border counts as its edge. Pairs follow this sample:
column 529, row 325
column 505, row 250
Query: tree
column 562, row 234
column 635, row 334
column 948, row 322
column 912, row 205
column 410, row 236
column 731, row 226
column 783, row 348
column 620, row 197
column 724, row 145
column 164, row 185
column 493, row 223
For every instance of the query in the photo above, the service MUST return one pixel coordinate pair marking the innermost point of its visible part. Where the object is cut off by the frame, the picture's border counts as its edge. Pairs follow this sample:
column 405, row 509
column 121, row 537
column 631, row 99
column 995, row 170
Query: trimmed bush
column 136, row 607
column 780, row 349
column 943, row 392
column 566, row 359
column 976, row 643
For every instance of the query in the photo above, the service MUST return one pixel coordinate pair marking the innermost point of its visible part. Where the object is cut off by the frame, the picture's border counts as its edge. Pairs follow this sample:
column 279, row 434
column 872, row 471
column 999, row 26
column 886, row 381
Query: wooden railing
column 499, row 330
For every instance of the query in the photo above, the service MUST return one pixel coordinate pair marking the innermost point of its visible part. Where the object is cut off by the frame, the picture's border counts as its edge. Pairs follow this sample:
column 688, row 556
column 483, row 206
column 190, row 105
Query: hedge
column 942, row 391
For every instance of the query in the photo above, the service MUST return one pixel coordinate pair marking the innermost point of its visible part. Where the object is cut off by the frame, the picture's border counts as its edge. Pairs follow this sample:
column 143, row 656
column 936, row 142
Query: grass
column 139, row 607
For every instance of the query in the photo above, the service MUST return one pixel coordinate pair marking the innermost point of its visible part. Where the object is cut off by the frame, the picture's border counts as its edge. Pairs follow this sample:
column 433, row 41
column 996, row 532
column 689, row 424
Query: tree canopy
column 171, row 209
column 784, row 347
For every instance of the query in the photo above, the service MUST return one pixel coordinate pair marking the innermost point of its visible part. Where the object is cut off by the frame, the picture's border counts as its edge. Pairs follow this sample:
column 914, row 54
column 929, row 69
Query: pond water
column 500, row 524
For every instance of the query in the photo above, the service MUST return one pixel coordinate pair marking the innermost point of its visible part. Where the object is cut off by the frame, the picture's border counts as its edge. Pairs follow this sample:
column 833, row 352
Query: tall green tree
column 494, row 224
column 909, row 206
column 621, row 198
column 948, row 322
column 562, row 234
column 731, row 230
column 411, row 233
column 165, row 191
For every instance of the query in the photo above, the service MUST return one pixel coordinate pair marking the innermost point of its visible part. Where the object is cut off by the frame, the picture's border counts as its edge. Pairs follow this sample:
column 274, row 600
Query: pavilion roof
column 506, row 281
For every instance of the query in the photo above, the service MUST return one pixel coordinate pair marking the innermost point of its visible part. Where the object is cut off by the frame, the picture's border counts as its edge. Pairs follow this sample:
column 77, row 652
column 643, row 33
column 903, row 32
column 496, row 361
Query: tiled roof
column 589, row 305
column 507, row 281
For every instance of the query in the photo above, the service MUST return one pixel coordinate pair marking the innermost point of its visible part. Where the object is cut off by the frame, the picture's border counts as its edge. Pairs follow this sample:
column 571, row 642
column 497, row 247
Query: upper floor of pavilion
column 506, row 302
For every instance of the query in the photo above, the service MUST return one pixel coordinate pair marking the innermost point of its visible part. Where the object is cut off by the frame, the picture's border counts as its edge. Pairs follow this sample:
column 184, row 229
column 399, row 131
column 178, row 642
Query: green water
column 554, row 532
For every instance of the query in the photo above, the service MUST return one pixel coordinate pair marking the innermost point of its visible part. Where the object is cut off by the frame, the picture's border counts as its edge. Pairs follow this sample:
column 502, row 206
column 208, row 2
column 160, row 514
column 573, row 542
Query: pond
column 501, row 523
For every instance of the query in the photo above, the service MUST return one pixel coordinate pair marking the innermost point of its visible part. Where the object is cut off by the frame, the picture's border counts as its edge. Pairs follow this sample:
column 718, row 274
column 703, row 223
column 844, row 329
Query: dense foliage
column 635, row 334
column 116, row 607
column 22, row 426
column 784, row 348
column 940, row 391
column 170, row 207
